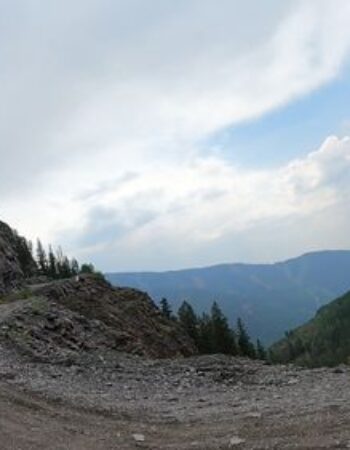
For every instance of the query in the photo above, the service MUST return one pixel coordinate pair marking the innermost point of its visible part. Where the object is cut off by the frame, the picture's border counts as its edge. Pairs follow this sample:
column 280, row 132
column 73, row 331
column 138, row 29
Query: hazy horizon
column 230, row 263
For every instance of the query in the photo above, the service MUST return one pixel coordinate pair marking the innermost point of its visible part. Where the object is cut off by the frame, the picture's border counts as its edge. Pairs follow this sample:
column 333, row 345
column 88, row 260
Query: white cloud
column 177, row 212
column 98, row 90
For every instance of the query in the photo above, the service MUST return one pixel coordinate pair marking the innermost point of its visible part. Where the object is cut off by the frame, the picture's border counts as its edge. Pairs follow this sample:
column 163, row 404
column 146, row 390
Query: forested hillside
column 325, row 340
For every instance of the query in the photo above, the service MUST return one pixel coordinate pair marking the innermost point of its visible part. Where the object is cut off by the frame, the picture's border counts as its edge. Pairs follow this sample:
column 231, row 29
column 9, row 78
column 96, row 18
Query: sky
column 168, row 134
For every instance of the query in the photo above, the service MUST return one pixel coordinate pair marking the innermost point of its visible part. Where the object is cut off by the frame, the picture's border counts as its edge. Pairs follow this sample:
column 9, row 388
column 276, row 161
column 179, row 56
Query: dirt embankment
column 57, row 322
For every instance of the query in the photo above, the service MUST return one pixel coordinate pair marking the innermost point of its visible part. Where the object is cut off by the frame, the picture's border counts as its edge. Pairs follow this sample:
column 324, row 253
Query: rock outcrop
column 11, row 274
column 59, row 321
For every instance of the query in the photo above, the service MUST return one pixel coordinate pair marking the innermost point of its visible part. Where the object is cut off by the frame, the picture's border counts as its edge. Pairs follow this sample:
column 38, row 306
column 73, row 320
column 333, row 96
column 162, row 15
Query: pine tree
column 223, row 339
column 260, row 350
column 87, row 268
column 41, row 258
column 205, row 335
column 65, row 268
column 245, row 345
column 189, row 320
column 52, row 263
column 165, row 308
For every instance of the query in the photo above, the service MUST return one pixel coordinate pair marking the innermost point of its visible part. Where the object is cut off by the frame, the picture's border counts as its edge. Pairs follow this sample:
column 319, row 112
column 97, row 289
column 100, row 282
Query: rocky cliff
column 11, row 274
column 63, row 320
column 59, row 321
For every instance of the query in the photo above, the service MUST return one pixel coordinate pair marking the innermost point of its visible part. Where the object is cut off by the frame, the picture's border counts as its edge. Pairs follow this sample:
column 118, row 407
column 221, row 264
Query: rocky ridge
column 57, row 321
column 11, row 275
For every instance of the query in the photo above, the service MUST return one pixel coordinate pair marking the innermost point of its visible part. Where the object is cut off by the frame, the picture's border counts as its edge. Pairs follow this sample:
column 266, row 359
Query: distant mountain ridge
column 271, row 298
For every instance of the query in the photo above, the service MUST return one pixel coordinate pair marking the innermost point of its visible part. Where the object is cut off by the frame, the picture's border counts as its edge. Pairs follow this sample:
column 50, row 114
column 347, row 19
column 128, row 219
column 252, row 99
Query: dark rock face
column 11, row 275
column 64, row 319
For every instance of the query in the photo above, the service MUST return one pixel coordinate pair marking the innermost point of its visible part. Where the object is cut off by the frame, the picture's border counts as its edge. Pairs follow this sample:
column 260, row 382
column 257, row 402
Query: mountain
column 324, row 341
column 270, row 298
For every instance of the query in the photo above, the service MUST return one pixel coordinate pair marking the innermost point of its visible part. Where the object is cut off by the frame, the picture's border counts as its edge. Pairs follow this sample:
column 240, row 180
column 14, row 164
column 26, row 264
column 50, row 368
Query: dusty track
column 261, row 407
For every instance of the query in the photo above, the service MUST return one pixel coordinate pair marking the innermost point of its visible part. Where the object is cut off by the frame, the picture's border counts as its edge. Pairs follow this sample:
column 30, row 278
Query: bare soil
column 122, row 402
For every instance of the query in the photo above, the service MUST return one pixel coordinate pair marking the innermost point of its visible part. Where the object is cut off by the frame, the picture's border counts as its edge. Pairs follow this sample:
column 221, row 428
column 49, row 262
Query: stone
column 139, row 437
column 254, row 415
column 235, row 441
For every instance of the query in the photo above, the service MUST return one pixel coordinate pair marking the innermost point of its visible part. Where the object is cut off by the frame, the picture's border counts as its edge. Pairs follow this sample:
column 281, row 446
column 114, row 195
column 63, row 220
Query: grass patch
column 13, row 296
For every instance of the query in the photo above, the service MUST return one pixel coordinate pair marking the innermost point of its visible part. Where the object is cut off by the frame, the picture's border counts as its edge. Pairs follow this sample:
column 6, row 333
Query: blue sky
column 166, row 134
column 291, row 131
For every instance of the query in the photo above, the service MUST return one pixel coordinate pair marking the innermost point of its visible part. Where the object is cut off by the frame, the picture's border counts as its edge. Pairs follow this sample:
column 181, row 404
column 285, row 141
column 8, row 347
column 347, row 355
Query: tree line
column 212, row 333
column 52, row 264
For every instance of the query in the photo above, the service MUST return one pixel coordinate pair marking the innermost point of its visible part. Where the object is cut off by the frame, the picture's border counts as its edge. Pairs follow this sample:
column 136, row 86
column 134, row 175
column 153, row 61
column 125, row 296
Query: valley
column 270, row 298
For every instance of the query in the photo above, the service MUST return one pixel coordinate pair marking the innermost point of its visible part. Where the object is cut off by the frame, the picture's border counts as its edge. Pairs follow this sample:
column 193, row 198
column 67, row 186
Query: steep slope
column 14, row 261
column 271, row 298
column 60, row 321
column 325, row 340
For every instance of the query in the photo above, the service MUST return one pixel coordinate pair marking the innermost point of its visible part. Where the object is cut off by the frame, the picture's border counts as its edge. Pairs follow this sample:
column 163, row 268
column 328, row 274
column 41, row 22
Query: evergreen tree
column 223, row 338
column 212, row 333
column 165, row 308
column 41, row 258
column 245, row 345
column 87, row 268
column 189, row 320
column 60, row 266
column 260, row 350
column 205, row 335
column 52, row 264
column 65, row 268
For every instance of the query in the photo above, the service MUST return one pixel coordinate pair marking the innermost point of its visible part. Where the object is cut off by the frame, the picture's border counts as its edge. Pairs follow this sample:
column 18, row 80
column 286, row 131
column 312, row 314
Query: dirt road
column 199, row 403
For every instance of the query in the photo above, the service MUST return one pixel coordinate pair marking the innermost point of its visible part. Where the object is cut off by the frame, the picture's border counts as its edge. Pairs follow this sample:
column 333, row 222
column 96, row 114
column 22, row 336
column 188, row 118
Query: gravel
column 199, row 402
